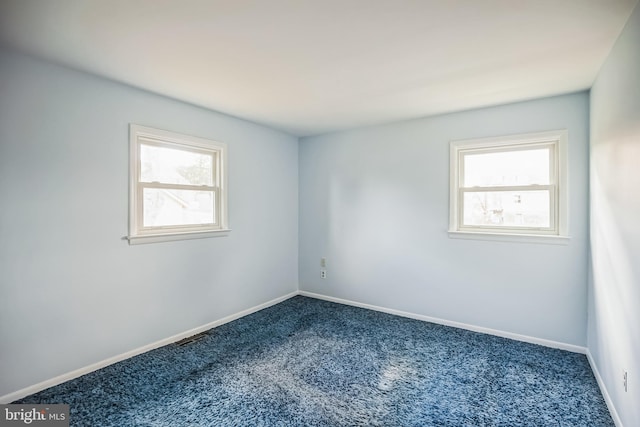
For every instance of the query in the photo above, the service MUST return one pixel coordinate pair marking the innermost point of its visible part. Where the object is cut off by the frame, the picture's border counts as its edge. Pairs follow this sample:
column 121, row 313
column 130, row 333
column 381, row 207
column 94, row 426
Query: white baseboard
column 533, row 340
column 604, row 391
column 8, row 398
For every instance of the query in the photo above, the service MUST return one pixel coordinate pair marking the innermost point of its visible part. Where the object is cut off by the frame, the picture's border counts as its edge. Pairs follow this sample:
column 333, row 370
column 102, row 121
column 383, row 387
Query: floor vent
column 191, row 339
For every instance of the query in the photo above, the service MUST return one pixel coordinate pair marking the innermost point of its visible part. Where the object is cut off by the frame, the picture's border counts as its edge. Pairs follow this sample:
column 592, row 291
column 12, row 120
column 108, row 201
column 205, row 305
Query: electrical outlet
column 323, row 262
column 323, row 274
column 625, row 380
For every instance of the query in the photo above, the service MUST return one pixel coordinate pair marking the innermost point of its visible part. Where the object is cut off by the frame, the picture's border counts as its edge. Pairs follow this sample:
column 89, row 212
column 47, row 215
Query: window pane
column 175, row 166
column 507, row 209
column 519, row 167
column 164, row 207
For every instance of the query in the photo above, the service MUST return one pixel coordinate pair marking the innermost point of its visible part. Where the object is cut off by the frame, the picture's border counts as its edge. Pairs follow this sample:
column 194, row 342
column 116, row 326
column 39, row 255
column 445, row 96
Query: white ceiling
column 316, row 66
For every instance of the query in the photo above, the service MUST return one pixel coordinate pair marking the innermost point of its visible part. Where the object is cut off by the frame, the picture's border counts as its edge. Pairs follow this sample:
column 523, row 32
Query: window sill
column 170, row 237
column 516, row 238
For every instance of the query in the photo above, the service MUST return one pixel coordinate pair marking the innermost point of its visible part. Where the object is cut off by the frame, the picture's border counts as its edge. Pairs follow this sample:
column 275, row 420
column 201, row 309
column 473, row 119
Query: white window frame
column 558, row 187
column 141, row 135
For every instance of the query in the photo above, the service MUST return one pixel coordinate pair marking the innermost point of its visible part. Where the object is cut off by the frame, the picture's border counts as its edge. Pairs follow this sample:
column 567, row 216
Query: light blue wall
column 614, row 289
column 72, row 291
column 375, row 203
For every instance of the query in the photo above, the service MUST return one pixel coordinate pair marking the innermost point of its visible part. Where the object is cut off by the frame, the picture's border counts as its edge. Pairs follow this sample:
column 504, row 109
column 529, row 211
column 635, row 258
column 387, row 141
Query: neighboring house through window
column 510, row 188
column 177, row 186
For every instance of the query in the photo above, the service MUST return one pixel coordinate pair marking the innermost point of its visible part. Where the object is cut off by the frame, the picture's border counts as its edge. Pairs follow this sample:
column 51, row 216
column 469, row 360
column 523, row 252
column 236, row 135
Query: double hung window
column 512, row 185
column 177, row 188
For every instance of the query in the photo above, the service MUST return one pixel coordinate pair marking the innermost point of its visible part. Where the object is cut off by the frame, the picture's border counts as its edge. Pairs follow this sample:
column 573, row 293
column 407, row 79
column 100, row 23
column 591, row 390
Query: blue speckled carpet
column 306, row 362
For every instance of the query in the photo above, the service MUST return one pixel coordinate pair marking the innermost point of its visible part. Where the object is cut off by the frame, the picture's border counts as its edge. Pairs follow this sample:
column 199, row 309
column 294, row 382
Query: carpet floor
column 306, row 362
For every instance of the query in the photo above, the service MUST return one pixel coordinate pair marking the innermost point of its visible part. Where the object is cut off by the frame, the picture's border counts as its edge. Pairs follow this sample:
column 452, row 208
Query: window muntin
column 177, row 185
column 509, row 185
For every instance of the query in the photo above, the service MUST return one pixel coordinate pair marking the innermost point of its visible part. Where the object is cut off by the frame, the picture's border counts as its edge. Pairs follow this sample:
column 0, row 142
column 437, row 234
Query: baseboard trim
column 8, row 398
column 19, row 394
column 603, row 389
column 525, row 338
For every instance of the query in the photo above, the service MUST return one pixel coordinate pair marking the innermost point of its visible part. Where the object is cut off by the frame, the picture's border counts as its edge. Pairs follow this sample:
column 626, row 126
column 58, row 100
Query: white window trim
column 136, row 235
column 560, row 236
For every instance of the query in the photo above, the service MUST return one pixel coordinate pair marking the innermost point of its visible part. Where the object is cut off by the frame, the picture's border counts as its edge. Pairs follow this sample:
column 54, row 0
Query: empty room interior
column 332, row 213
